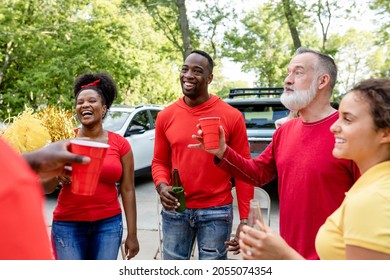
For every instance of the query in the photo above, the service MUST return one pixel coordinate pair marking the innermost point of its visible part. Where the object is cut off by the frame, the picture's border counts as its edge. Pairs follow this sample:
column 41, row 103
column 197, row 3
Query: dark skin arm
column 233, row 244
column 50, row 185
column 168, row 200
column 129, row 205
column 51, row 161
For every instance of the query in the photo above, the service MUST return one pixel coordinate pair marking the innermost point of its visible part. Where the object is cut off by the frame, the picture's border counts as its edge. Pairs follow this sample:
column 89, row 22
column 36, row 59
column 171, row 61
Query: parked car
column 137, row 125
column 261, row 107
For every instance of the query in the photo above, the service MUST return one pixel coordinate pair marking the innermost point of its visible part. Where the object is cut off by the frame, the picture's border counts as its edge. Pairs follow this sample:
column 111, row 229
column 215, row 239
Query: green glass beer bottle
column 178, row 190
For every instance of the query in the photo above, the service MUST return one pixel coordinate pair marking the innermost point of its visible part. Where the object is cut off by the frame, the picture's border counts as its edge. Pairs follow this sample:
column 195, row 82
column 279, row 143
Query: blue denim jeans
column 210, row 226
column 98, row 240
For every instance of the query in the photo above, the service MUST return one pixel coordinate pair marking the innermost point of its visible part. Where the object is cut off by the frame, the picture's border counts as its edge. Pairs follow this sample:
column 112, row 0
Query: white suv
column 137, row 125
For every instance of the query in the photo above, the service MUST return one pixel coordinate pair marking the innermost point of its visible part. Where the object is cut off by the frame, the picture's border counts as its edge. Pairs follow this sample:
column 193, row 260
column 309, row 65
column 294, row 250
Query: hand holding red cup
column 210, row 129
column 85, row 177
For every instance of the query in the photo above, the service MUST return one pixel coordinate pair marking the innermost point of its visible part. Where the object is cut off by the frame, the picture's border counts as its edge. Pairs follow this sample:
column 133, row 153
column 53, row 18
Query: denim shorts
column 210, row 226
column 98, row 240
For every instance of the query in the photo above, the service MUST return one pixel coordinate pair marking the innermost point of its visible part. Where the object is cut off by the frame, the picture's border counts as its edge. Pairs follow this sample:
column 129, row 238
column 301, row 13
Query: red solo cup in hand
column 210, row 129
column 85, row 177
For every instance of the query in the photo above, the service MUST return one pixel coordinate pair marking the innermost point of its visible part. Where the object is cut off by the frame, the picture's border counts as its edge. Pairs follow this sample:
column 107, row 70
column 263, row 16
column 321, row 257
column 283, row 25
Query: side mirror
column 135, row 129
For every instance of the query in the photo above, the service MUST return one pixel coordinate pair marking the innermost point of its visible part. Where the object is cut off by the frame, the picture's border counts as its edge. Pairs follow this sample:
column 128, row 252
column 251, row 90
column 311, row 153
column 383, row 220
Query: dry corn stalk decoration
column 59, row 122
column 30, row 131
column 26, row 132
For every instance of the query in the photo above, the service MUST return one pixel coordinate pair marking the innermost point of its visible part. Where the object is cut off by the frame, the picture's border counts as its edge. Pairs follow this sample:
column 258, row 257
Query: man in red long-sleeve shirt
column 208, row 216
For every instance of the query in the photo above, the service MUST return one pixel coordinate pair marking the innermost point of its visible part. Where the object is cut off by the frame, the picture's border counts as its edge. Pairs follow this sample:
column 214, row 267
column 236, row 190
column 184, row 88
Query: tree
column 45, row 44
column 171, row 18
column 211, row 19
column 261, row 44
column 46, row 48
column 382, row 9
column 380, row 61
column 352, row 58
column 291, row 13
column 301, row 14
column 184, row 27
column 28, row 46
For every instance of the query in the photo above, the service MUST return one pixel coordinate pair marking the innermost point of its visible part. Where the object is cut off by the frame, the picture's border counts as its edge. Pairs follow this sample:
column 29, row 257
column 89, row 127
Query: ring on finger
column 249, row 252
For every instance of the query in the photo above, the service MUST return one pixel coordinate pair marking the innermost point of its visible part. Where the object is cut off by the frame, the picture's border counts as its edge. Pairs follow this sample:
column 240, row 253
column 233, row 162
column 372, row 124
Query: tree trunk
column 292, row 25
column 324, row 26
column 184, row 27
column 6, row 61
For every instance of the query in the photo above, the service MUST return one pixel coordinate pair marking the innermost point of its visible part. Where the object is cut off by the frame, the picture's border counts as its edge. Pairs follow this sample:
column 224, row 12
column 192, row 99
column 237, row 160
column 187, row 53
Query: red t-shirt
column 104, row 203
column 23, row 233
column 311, row 182
column 204, row 184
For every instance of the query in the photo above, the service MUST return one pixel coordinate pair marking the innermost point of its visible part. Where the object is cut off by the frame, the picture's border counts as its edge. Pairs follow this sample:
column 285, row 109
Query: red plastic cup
column 85, row 177
column 210, row 128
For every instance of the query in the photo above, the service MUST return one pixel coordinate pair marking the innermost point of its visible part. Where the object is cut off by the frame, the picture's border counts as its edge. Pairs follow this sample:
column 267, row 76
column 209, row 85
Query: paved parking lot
column 147, row 216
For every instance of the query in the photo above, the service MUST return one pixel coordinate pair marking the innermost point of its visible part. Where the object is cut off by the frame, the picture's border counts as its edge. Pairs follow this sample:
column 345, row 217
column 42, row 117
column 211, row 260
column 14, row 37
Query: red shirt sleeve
column 238, row 141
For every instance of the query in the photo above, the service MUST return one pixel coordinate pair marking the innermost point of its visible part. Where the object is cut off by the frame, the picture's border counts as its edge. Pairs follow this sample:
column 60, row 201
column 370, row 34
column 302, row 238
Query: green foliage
column 262, row 46
column 64, row 39
column 382, row 9
column 45, row 44
column 167, row 19
column 223, row 92
column 210, row 21
column 355, row 61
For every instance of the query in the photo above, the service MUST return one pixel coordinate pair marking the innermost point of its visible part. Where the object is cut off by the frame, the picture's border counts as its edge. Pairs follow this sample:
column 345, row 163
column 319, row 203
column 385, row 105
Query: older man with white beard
column 311, row 182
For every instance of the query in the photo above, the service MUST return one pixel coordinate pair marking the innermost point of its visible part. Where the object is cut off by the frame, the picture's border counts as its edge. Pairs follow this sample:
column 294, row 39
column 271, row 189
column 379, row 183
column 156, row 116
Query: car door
column 140, row 134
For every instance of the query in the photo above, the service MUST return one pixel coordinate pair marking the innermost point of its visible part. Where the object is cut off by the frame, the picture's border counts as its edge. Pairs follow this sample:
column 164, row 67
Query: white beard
column 298, row 99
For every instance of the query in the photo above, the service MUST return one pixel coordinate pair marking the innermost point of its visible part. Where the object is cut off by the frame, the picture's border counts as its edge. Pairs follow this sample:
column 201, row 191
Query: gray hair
column 324, row 65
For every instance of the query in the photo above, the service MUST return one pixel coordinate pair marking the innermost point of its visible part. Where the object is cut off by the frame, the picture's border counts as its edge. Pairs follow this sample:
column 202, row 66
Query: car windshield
column 262, row 116
column 115, row 120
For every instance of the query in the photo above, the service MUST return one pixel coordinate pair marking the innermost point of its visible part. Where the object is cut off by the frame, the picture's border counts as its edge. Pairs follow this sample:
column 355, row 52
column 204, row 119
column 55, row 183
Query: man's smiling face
column 195, row 76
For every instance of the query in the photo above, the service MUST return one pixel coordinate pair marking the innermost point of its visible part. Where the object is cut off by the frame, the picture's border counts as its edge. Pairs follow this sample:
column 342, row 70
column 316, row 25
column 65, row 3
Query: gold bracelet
column 243, row 221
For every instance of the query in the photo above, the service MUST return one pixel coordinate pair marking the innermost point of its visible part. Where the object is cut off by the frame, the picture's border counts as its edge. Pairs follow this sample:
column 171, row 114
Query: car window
column 115, row 120
column 141, row 119
column 154, row 113
column 262, row 115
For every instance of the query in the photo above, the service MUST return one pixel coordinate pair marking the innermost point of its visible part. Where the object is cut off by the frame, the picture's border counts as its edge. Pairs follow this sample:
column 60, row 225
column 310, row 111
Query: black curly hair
column 209, row 59
column 106, row 87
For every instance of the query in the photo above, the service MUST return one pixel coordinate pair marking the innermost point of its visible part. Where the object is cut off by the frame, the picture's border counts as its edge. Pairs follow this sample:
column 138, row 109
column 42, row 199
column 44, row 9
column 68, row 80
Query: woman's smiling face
column 356, row 136
column 89, row 107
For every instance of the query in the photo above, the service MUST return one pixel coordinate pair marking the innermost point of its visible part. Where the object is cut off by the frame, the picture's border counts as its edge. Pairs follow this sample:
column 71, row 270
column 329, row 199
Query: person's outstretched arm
column 50, row 160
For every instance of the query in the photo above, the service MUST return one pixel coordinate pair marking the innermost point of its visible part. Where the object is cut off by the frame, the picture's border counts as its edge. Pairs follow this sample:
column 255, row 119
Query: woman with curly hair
column 90, row 227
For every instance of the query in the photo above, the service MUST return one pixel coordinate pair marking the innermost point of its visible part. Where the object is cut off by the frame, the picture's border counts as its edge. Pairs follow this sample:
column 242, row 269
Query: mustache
column 289, row 87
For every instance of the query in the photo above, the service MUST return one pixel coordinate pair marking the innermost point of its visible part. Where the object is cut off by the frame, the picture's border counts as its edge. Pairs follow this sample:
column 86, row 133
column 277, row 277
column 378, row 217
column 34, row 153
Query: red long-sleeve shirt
column 205, row 185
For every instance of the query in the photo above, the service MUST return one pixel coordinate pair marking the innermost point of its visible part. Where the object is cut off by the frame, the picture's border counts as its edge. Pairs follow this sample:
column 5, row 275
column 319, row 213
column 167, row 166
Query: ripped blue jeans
column 210, row 226
column 98, row 240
